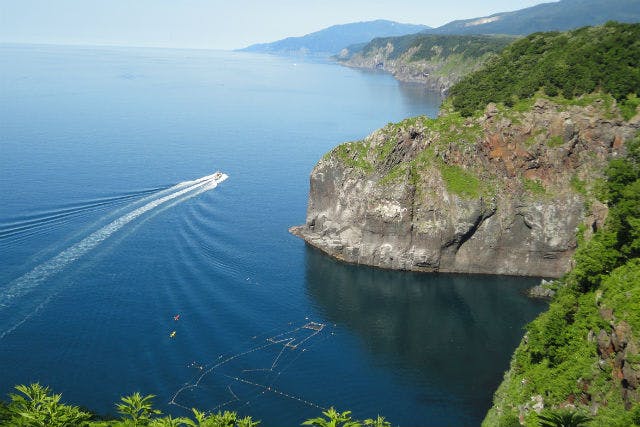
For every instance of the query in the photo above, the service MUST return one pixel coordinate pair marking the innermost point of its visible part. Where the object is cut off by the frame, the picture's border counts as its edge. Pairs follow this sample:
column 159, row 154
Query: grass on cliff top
column 450, row 127
column 451, row 130
column 444, row 131
column 460, row 181
column 354, row 154
column 447, row 130
column 558, row 359
column 569, row 64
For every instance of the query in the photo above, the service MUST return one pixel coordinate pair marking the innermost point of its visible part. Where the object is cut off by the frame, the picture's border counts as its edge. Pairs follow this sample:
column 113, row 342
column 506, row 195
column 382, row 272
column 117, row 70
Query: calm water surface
column 99, row 250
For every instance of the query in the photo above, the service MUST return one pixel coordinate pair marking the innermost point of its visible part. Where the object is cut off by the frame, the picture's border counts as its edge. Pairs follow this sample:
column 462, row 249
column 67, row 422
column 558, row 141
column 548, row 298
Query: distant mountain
column 559, row 16
column 439, row 57
column 331, row 40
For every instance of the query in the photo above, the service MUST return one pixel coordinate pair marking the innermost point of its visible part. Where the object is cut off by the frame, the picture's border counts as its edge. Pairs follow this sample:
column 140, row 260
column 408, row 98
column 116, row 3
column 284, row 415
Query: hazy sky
column 214, row 23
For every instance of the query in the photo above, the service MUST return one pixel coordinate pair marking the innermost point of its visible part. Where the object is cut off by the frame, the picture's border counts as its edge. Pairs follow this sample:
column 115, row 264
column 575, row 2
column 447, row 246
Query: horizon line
column 125, row 46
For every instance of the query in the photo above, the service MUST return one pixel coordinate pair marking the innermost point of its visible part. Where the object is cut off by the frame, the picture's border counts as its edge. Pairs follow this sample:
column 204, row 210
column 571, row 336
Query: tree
column 36, row 406
column 137, row 409
column 333, row 419
column 563, row 419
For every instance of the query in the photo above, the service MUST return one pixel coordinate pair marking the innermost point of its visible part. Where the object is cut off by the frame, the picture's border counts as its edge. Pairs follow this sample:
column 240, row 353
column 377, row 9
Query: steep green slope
column 570, row 64
column 583, row 354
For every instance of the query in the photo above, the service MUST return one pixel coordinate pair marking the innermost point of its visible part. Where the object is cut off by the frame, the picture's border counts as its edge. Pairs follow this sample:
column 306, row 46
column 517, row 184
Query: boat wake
column 16, row 229
column 34, row 278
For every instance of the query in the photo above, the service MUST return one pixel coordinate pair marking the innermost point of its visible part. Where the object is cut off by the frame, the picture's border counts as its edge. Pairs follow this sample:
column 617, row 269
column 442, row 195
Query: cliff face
column 505, row 192
column 438, row 62
column 401, row 68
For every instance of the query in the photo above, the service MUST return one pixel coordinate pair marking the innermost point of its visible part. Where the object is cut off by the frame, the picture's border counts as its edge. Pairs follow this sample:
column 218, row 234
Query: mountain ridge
column 330, row 40
column 554, row 16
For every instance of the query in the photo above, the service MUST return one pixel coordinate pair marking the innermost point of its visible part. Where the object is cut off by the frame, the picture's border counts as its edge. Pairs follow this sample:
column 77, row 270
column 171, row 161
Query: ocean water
column 106, row 238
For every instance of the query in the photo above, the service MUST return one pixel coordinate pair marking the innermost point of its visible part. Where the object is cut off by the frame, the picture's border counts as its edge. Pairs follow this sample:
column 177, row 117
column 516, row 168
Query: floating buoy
column 172, row 334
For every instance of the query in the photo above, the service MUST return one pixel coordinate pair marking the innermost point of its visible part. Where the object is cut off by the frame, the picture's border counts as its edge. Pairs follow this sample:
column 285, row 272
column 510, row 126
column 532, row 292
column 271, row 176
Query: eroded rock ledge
column 506, row 192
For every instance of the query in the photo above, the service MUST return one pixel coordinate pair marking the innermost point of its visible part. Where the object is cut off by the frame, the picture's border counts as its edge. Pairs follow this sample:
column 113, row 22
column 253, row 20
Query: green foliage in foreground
column 563, row 419
column 570, row 64
column 557, row 361
column 37, row 406
column 333, row 418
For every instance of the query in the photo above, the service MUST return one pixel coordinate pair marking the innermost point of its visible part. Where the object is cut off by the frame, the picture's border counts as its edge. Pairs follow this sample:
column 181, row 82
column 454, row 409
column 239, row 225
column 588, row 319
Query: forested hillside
column 583, row 355
column 570, row 64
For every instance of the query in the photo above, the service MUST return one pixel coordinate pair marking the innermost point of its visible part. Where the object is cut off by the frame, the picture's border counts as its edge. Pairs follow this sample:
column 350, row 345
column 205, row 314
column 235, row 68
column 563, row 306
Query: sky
column 215, row 24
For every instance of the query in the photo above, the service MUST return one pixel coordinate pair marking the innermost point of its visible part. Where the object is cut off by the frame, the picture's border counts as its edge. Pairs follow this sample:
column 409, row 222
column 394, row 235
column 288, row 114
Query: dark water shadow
column 454, row 333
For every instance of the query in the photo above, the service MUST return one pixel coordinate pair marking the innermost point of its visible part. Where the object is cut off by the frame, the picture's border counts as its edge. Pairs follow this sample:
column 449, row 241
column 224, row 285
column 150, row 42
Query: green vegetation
column 629, row 107
column 558, row 358
column 533, row 186
column 578, row 185
column 583, row 61
column 563, row 419
column 450, row 129
column 37, row 406
column 555, row 141
column 333, row 418
column 354, row 154
column 460, row 182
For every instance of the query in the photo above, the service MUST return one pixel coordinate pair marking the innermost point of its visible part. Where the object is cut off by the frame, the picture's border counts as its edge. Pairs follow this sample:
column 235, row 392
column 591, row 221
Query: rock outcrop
column 619, row 354
column 503, row 193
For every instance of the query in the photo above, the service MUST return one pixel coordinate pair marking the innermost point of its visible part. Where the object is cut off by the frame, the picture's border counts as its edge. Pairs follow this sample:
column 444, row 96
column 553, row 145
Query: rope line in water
column 273, row 390
column 290, row 350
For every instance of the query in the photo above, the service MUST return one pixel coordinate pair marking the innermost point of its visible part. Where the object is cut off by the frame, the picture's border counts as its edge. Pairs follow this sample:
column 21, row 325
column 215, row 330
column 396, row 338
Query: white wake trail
column 39, row 274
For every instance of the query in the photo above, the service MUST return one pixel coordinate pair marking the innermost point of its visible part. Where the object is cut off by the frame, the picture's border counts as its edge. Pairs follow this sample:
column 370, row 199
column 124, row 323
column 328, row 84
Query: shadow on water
column 417, row 94
column 453, row 333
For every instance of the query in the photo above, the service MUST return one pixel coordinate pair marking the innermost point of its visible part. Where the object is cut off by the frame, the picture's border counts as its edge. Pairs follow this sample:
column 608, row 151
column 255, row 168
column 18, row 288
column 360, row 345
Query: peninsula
column 496, row 188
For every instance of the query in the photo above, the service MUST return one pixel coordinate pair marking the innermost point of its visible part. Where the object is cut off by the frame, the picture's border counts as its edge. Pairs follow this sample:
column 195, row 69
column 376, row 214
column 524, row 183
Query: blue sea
column 120, row 272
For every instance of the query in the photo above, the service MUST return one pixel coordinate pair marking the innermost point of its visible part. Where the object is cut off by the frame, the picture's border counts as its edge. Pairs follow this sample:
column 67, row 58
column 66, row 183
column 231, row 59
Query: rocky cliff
column 422, row 72
column 503, row 192
column 436, row 61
